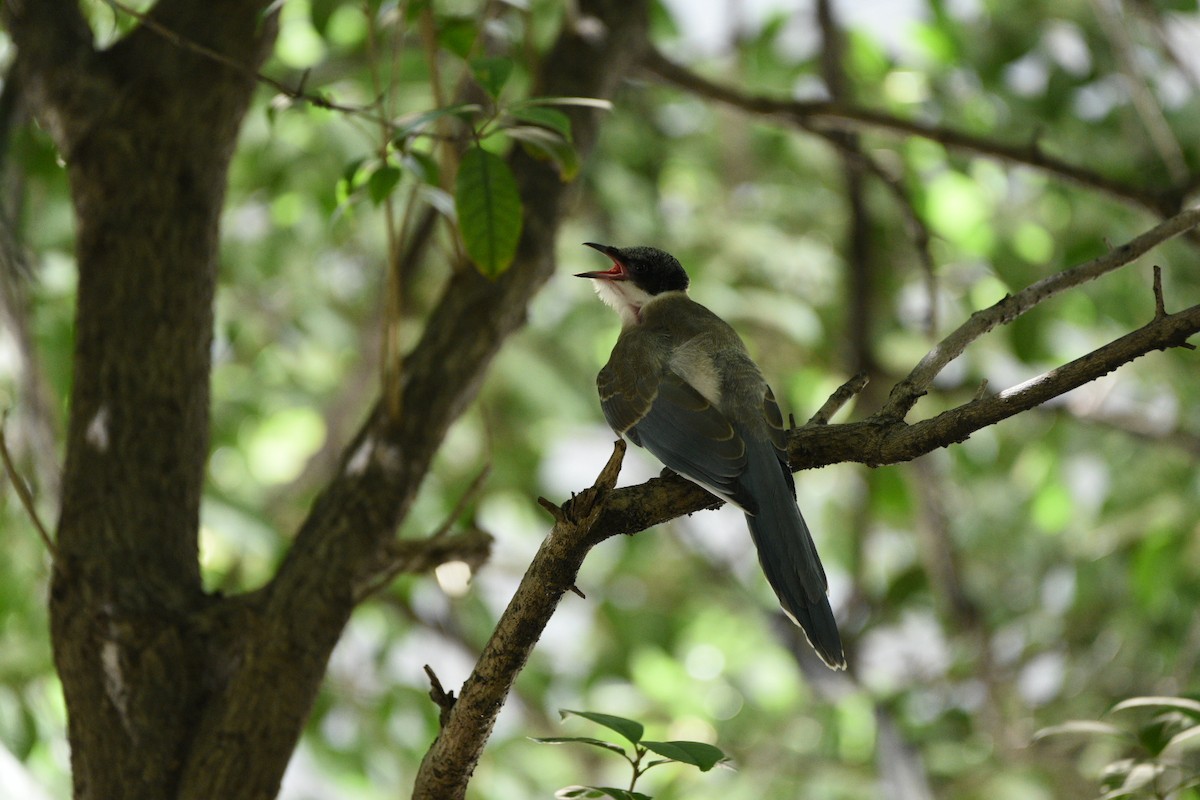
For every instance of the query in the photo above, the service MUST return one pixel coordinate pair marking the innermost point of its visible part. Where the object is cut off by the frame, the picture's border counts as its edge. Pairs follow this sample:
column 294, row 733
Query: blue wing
column 678, row 425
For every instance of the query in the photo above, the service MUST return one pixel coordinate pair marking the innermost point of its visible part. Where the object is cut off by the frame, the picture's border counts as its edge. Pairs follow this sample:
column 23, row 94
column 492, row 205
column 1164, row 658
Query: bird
column 681, row 384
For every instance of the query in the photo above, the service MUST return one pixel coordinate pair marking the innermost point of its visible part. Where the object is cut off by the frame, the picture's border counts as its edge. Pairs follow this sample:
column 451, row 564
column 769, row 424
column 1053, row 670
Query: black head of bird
column 681, row 384
column 637, row 275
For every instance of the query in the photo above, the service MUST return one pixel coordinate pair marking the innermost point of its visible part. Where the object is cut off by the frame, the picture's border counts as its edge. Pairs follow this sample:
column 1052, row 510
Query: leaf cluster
column 701, row 755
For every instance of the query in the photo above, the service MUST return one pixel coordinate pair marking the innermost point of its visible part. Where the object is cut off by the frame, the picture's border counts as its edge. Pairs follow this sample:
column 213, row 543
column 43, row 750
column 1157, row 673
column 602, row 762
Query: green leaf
column 1184, row 704
column 1188, row 739
column 489, row 210
column 616, row 748
column 698, row 754
column 1138, row 777
column 1081, row 727
column 548, row 144
column 382, row 181
column 491, row 73
column 549, row 118
column 630, row 729
column 571, row 792
column 350, row 172
column 587, row 102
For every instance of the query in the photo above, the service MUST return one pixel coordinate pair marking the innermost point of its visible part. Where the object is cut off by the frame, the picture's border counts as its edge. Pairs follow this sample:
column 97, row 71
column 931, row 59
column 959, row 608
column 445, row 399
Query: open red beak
column 618, row 271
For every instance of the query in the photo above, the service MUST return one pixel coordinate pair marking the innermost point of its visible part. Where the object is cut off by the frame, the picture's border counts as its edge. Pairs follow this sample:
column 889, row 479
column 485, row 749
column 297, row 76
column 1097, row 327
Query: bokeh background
column 1037, row 573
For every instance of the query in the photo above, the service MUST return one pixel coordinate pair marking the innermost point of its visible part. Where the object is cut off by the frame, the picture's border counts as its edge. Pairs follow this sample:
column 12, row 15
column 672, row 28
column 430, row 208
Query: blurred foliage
column 1039, row 572
column 1158, row 757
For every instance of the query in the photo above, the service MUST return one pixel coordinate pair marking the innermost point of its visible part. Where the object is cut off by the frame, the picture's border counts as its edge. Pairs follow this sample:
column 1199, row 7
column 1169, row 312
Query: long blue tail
column 788, row 555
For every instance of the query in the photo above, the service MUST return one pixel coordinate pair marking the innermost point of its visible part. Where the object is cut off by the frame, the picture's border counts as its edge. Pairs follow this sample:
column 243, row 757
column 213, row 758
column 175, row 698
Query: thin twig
column 22, row 490
column 467, row 496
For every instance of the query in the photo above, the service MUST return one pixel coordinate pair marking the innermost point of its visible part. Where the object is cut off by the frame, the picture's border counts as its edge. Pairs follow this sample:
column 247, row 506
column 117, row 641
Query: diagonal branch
column 905, row 394
column 957, row 424
column 806, row 114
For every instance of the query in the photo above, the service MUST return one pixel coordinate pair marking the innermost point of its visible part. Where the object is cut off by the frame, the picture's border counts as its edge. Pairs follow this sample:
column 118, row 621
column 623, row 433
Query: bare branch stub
column 551, row 508
column 444, row 700
column 1160, row 307
column 839, row 398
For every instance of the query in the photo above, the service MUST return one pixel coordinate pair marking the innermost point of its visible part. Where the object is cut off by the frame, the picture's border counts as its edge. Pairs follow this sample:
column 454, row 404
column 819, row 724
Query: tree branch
column 807, row 114
column 905, row 394
column 22, row 490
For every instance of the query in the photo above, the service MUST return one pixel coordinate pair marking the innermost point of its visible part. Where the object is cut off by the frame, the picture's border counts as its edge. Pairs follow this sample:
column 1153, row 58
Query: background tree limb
column 806, row 114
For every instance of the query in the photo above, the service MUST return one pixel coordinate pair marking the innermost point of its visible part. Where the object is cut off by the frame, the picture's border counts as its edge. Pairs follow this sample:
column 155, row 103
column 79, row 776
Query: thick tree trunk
column 147, row 129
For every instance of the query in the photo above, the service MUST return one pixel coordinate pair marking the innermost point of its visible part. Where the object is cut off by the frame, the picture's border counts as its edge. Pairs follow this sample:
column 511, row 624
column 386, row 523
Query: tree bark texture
column 147, row 130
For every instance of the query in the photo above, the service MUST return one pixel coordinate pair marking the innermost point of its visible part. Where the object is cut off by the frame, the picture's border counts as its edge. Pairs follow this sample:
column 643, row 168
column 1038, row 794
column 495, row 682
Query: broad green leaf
column 550, row 118
column 491, row 73
column 550, row 145
column 616, row 748
column 489, row 210
column 698, row 754
column 382, row 181
column 630, row 729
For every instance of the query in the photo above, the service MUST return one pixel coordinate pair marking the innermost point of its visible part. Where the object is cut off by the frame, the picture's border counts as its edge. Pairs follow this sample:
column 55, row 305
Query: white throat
column 625, row 298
